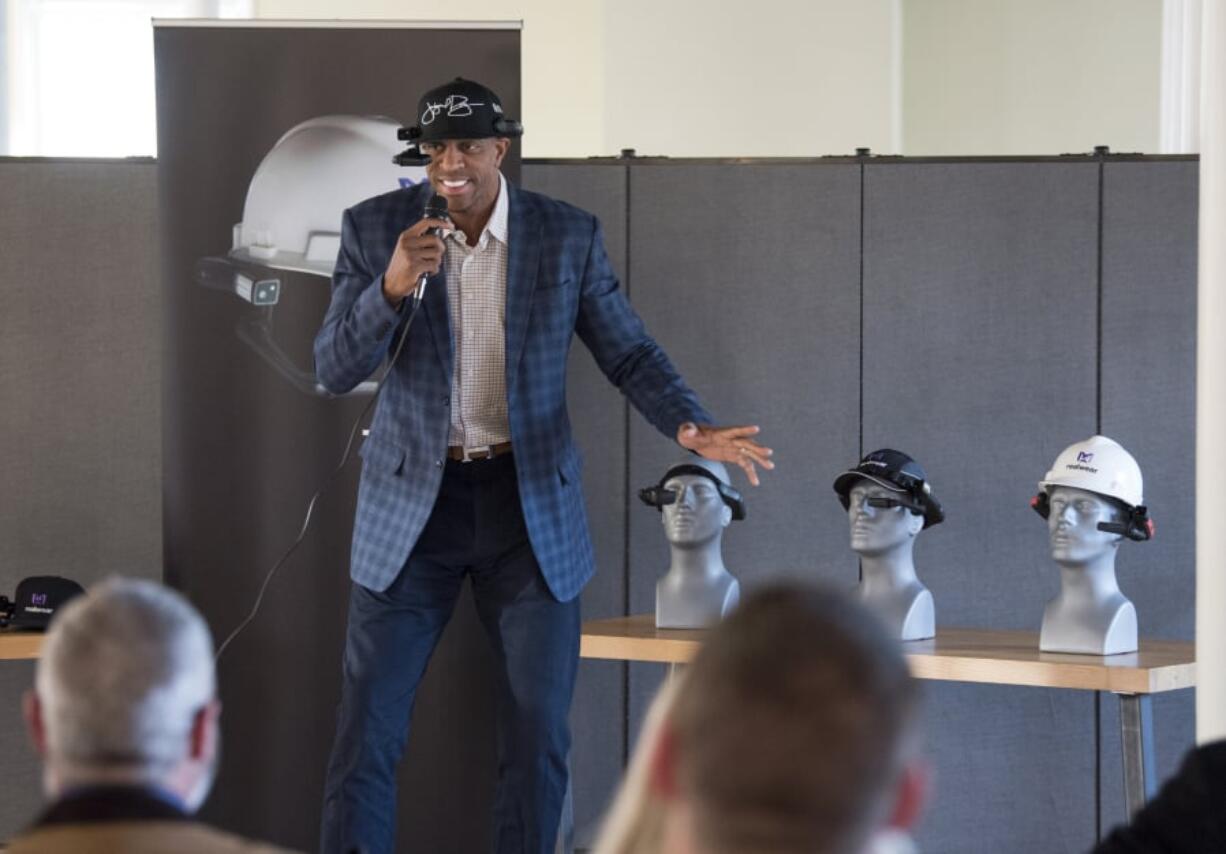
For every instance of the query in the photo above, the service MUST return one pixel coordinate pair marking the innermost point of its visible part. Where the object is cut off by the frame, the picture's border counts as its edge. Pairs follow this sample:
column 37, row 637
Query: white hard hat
column 1098, row 465
column 292, row 216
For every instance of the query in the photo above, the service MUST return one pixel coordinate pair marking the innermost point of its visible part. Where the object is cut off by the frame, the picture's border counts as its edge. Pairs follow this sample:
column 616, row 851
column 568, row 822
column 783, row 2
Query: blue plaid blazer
column 559, row 282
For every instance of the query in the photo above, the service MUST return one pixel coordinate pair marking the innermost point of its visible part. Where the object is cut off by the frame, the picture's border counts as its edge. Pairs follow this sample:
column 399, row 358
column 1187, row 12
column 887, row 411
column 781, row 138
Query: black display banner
column 266, row 132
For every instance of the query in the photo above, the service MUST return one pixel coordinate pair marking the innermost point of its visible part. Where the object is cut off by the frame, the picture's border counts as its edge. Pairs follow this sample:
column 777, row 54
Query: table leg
column 1137, row 742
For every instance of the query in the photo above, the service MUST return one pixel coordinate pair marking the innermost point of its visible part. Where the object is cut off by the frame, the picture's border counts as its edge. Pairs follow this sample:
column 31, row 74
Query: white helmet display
column 292, row 219
column 1102, row 466
column 317, row 169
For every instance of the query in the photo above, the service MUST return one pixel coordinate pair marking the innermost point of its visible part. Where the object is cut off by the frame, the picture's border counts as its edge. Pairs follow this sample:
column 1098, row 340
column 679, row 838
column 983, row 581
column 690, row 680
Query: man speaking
column 470, row 467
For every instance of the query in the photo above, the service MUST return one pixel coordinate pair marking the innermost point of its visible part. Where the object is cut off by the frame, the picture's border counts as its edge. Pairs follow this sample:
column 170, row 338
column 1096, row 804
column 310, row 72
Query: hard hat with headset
column 898, row 473
column 1102, row 466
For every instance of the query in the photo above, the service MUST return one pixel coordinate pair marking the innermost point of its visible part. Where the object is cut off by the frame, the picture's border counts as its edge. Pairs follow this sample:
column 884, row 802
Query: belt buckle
column 468, row 457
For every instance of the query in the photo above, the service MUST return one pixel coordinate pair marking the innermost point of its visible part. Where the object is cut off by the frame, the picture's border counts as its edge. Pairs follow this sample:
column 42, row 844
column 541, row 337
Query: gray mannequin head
column 1091, row 499
column 1072, row 523
column 698, row 514
column 888, row 502
column 696, row 502
column 879, row 531
column 1096, row 485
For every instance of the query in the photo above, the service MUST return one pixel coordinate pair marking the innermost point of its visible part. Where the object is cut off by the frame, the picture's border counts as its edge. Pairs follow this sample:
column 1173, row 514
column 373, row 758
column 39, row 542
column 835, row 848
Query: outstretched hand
column 728, row 445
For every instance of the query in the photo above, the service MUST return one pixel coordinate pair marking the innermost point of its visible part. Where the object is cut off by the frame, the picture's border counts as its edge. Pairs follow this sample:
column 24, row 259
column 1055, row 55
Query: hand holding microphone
column 418, row 254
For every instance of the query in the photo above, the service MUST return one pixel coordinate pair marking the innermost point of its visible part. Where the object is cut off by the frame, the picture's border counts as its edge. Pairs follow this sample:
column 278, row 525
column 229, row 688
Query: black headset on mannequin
column 659, row 495
column 1136, row 524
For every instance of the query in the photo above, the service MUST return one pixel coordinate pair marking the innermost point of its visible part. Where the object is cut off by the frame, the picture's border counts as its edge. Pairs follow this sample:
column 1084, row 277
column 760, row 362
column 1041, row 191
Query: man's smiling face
column 465, row 172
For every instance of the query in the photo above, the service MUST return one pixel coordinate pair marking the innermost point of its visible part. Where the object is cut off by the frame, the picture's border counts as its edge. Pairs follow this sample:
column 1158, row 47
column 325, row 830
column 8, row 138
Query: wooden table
column 973, row 655
column 14, row 645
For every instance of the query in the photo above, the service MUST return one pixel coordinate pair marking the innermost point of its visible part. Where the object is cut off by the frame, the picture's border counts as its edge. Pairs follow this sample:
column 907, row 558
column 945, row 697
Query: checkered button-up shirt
column 476, row 298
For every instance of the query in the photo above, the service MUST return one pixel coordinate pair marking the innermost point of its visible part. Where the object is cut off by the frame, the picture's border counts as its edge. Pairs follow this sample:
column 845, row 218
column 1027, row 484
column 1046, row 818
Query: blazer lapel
column 523, row 261
column 438, row 319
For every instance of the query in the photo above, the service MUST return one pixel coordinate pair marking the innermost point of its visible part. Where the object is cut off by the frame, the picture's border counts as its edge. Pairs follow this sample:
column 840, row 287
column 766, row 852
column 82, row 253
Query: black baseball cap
column 461, row 109
column 896, row 472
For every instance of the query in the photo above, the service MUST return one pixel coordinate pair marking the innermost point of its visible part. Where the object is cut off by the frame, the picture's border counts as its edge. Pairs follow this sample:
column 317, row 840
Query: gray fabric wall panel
column 21, row 786
column 598, row 415
column 748, row 277
column 979, row 360
column 1149, row 406
column 80, row 362
column 1012, row 770
column 80, row 348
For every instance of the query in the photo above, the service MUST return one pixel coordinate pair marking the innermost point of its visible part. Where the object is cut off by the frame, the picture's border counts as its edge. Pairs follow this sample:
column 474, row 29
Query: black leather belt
column 480, row 452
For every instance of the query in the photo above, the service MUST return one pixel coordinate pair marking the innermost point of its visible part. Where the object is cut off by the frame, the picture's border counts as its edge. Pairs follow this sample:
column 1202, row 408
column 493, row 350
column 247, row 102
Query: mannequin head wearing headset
column 696, row 502
column 1117, row 518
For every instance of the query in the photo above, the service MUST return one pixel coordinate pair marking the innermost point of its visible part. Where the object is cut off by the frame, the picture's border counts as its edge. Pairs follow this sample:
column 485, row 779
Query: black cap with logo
column 461, row 109
column 897, row 472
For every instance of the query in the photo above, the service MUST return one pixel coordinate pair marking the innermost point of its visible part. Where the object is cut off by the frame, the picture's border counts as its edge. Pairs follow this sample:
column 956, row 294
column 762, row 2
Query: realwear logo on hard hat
column 1085, row 456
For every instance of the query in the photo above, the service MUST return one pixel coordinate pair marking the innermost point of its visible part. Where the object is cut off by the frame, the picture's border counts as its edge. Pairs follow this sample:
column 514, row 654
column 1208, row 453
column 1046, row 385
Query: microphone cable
column 310, row 509
column 436, row 208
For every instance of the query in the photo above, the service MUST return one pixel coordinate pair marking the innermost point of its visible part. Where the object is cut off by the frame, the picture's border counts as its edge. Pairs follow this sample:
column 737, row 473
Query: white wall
column 685, row 78
column 689, row 78
column 1031, row 76
column 771, row 78
column 1211, row 383
column 563, row 59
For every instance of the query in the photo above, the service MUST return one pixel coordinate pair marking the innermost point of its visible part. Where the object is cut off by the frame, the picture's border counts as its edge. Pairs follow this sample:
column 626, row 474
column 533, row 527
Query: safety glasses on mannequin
column 886, row 503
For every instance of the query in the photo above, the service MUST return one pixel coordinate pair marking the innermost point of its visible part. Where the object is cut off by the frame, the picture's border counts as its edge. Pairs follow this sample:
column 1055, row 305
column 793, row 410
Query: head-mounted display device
column 898, row 473
column 461, row 109
column 658, row 495
column 1136, row 524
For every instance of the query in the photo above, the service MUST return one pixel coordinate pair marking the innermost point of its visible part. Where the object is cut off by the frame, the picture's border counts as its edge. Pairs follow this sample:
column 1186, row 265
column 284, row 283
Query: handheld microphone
column 436, row 208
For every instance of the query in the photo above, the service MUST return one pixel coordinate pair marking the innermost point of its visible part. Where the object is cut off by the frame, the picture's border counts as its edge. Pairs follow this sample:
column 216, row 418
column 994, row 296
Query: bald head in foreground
column 124, row 714
column 795, row 731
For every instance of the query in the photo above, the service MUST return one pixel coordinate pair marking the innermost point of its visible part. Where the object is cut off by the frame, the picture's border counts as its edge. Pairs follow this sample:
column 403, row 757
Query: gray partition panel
column 980, row 335
column 80, row 355
column 979, row 357
column 748, row 276
column 1149, row 406
column 80, row 362
column 598, row 415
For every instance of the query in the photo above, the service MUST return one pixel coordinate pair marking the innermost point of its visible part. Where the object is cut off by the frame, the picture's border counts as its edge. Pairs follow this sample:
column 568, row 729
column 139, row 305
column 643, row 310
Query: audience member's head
column 794, row 730
column 125, row 693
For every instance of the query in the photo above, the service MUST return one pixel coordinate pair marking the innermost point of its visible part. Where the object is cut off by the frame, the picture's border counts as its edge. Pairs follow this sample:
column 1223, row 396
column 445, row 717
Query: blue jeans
column 475, row 529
